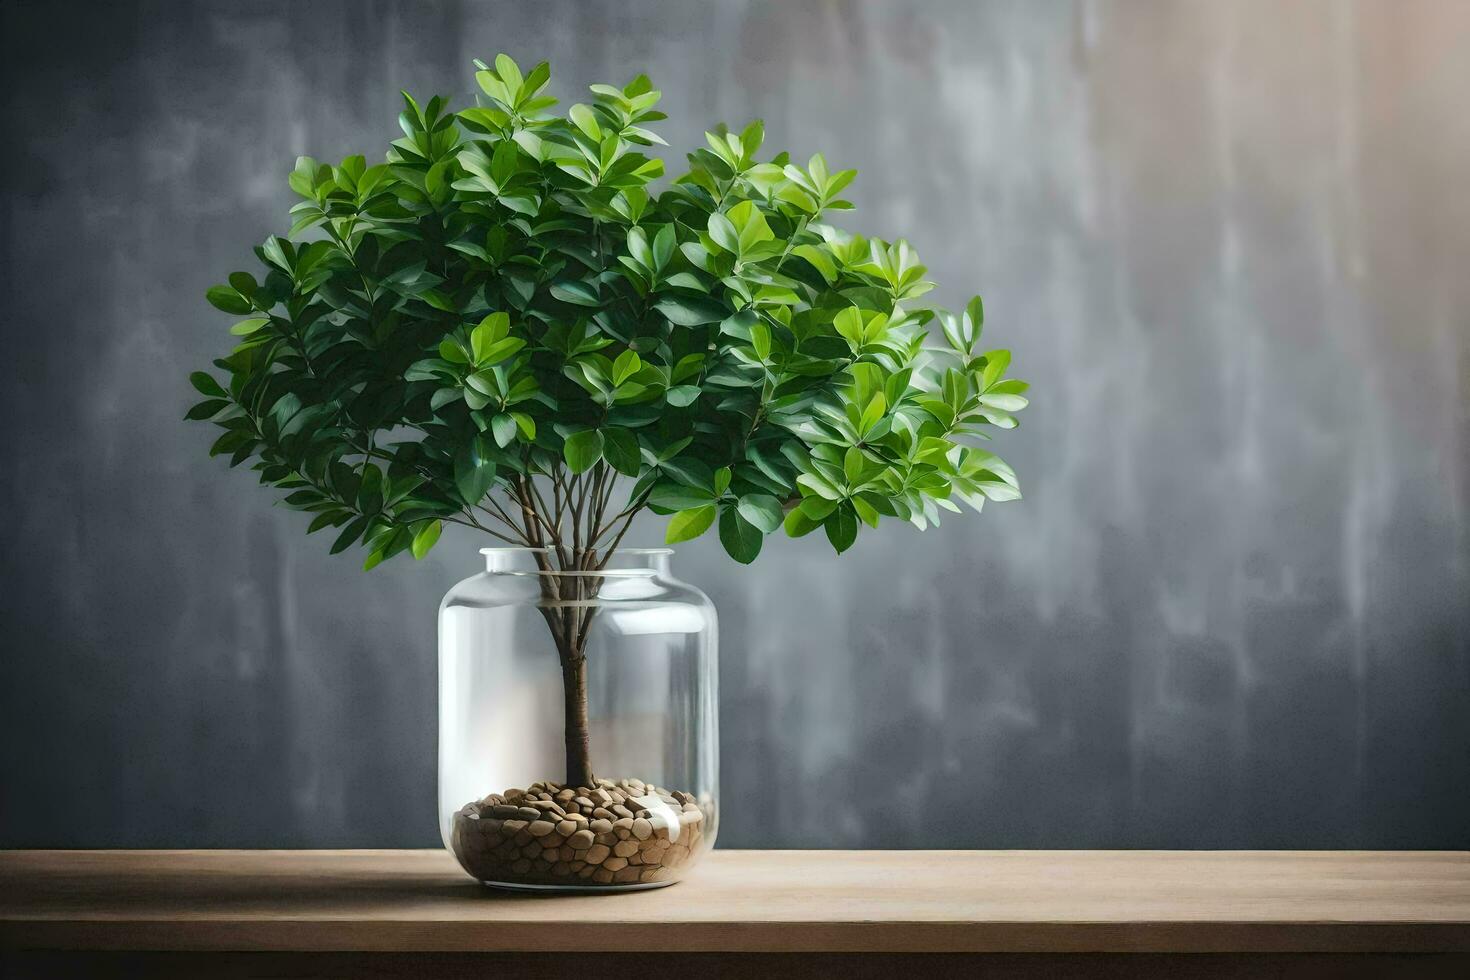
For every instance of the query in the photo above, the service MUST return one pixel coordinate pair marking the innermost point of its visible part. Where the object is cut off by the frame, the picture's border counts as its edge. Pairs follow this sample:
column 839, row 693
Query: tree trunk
column 578, row 737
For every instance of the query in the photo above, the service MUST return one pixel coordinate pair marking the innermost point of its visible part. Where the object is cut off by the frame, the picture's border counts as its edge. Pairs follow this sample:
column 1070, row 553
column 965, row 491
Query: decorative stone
column 614, row 833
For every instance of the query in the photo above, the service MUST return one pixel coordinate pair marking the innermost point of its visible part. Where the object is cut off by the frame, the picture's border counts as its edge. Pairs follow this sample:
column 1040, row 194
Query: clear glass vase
column 578, row 731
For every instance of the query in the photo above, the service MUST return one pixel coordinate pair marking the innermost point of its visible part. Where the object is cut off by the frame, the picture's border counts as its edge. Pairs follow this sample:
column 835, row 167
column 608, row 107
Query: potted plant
column 502, row 326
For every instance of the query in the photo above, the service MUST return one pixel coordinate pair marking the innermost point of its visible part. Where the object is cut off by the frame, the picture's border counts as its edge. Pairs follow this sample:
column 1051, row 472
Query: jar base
column 516, row 886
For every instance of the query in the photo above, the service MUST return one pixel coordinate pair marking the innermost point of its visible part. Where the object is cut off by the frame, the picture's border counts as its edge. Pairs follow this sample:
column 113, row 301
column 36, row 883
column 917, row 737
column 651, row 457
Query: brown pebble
column 566, row 828
column 541, row 828
column 521, row 867
column 622, row 811
column 561, row 869
column 600, row 826
column 581, row 839
column 615, row 863
column 584, row 802
column 627, row 875
column 623, row 848
column 597, row 853
column 642, row 829
column 602, row 876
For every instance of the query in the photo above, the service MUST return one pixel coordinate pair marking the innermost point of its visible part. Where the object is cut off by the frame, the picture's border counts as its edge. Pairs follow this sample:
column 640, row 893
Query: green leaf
column 762, row 510
column 474, row 471
column 742, row 539
column 583, row 450
column 620, row 449
column 206, row 385
column 677, row 496
column 585, row 120
column 424, row 538
column 247, row 327
column 504, row 428
column 682, row 396
column 841, row 528
column 228, row 299
column 663, row 246
column 349, row 535
column 798, row 524
column 627, row 365
column 692, row 311
column 819, row 260
column 576, row 292
column 207, row 409
column 723, row 232
column 493, row 328
column 689, row 524
column 527, row 425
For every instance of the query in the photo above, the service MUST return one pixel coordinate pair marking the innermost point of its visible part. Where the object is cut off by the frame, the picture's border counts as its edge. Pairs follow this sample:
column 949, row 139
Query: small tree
column 501, row 327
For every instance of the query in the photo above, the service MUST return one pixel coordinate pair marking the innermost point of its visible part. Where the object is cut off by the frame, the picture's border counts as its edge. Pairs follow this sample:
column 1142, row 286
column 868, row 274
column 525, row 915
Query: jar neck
column 543, row 561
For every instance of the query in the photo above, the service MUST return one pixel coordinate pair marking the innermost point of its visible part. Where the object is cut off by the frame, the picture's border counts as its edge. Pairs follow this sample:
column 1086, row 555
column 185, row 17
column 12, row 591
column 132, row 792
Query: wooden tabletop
column 775, row 901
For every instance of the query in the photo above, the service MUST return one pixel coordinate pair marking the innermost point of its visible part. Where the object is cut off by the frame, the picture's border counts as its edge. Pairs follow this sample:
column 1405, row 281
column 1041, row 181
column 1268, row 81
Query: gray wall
column 1229, row 243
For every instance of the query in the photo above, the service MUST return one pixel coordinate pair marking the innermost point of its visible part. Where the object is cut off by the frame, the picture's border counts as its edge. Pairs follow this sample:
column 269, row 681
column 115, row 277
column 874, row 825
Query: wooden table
column 744, row 913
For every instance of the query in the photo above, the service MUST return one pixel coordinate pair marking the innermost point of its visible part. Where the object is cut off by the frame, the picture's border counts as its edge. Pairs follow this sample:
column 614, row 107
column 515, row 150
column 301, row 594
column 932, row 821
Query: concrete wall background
column 1228, row 243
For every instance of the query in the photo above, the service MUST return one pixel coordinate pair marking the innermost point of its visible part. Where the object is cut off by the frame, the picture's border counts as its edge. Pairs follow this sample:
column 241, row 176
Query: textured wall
column 1229, row 243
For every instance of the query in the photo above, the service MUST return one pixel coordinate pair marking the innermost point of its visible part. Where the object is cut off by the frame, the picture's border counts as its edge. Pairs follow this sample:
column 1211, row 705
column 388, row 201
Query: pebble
column 543, row 835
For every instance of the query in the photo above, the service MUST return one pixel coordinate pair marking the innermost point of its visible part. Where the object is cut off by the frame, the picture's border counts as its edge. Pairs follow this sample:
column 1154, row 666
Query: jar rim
column 619, row 551
column 655, row 561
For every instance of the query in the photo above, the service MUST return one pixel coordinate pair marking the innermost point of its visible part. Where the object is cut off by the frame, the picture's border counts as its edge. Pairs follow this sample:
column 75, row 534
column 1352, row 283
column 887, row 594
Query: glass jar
column 547, row 677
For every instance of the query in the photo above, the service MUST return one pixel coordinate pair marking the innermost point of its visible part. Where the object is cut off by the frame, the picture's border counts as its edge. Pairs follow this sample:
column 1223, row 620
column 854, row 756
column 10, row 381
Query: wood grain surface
column 748, row 901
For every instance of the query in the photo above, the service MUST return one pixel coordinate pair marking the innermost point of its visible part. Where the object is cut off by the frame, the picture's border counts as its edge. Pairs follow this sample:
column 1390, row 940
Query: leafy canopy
column 503, row 322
